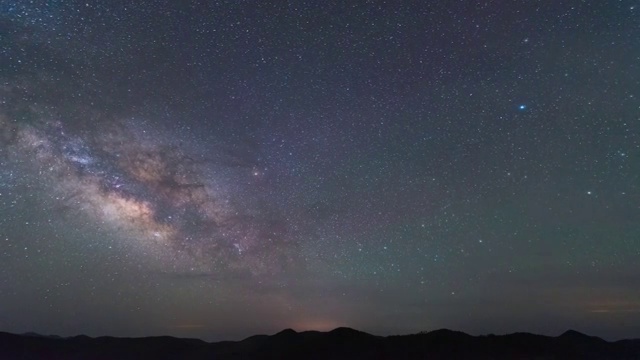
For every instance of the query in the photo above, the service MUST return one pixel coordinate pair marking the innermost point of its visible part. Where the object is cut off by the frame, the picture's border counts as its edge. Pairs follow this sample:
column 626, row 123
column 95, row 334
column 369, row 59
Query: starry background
column 217, row 169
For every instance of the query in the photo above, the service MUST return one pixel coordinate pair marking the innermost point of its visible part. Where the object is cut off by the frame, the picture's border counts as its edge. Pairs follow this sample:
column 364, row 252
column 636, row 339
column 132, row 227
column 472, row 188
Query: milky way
column 138, row 182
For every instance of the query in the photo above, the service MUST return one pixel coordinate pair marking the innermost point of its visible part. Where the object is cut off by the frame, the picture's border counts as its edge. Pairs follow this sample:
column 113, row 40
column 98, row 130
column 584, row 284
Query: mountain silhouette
column 572, row 335
column 340, row 343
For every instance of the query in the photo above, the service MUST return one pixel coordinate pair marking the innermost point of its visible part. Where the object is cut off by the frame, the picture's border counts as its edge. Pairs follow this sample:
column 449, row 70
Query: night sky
column 217, row 169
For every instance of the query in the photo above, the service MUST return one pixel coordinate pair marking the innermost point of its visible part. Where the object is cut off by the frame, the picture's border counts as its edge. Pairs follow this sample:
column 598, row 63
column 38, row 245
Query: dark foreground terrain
column 341, row 343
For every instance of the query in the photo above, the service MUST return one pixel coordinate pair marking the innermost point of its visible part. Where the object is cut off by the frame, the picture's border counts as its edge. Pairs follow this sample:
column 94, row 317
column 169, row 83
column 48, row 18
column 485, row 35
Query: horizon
column 225, row 168
column 31, row 333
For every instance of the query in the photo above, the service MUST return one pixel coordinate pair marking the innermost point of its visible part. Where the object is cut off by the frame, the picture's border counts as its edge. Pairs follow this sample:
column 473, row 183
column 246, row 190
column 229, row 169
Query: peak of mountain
column 347, row 331
column 578, row 336
column 573, row 334
column 446, row 333
column 81, row 337
column 286, row 332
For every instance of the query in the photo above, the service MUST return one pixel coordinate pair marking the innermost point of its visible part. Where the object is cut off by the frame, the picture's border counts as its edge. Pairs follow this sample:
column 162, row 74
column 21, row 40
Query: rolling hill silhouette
column 340, row 343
